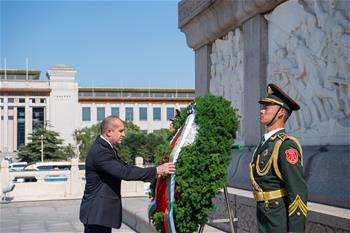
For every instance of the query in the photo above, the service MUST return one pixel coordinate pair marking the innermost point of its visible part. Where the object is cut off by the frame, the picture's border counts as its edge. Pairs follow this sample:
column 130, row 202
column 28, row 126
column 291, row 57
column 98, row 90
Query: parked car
column 17, row 166
column 48, row 166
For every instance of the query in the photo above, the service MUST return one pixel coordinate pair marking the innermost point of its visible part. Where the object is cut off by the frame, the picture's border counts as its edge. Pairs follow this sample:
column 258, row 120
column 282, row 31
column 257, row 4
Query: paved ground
column 44, row 216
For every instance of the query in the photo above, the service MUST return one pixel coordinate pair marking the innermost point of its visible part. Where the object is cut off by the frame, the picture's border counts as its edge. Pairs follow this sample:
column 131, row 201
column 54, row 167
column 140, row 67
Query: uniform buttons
column 266, row 204
column 298, row 213
column 261, row 162
column 276, row 202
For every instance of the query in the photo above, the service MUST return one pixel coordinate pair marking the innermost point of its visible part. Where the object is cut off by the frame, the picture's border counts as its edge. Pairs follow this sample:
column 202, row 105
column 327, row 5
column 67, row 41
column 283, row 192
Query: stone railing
column 60, row 184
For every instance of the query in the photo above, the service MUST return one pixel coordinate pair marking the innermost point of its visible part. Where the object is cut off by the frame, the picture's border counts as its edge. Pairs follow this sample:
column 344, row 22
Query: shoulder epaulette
column 283, row 136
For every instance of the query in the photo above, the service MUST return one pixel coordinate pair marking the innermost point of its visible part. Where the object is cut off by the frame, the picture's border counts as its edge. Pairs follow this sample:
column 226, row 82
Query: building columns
column 202, row 70
column 5, row 133
column 254, row 82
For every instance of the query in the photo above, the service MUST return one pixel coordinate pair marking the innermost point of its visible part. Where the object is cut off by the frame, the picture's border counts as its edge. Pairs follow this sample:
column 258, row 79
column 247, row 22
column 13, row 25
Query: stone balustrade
column 58, row 184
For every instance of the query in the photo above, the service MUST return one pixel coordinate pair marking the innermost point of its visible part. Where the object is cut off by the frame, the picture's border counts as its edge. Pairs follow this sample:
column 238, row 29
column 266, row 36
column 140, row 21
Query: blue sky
column 109, row 43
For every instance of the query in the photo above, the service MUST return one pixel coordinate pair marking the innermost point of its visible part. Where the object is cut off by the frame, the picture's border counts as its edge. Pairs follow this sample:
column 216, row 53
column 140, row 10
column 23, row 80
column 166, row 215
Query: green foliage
column 158, row 221
column 85, row 137
column 132, row 146
column 68, row 151
column 140, row 144
column 201, row 169
column 51, row 145
column 131, row 128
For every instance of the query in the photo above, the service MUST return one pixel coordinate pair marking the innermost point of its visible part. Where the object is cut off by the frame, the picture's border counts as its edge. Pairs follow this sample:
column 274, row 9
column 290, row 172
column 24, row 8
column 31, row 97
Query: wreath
column 201, row 167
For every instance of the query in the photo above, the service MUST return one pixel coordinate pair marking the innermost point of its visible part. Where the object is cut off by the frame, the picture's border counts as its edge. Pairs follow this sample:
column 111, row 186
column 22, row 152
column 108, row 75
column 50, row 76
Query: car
column 17, row 166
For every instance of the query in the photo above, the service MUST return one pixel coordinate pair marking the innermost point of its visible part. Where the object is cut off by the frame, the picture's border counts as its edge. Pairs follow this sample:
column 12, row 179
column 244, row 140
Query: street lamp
column 42, row 147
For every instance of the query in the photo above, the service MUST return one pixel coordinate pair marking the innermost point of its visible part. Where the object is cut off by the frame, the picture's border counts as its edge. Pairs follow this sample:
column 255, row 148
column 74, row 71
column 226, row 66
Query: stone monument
column 302, row 46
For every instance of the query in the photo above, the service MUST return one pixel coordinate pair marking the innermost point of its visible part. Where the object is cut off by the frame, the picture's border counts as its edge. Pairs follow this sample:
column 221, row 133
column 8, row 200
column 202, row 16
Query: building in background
column 27, row 102
column 151, row 109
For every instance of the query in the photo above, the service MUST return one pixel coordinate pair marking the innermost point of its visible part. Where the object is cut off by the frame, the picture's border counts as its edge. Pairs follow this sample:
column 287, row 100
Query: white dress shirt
column 269, row 134
column 107, row 141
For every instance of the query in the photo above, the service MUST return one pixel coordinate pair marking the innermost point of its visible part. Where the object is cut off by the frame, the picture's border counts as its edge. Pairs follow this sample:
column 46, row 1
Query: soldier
column 276, row 169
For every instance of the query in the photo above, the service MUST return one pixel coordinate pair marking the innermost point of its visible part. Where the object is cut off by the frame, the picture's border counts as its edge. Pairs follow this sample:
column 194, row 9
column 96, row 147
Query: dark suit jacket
column 101, row 203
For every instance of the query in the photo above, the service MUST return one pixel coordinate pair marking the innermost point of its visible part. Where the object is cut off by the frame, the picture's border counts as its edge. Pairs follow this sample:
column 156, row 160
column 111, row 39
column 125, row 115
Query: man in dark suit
column 101, row 207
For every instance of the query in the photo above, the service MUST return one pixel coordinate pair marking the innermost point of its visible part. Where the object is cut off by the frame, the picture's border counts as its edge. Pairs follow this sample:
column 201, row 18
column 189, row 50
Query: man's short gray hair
column 109, row 123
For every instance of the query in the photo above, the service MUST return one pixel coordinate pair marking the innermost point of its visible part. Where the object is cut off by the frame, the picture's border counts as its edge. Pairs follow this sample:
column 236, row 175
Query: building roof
column 35, row 74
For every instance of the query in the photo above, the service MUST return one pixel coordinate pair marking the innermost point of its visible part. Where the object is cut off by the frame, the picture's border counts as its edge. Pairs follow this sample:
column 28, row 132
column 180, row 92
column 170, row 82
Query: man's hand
column 166, row 168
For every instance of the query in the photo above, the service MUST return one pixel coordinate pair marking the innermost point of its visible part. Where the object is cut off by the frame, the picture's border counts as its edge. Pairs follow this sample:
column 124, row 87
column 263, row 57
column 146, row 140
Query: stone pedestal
column 4, row 173
column 74, row 175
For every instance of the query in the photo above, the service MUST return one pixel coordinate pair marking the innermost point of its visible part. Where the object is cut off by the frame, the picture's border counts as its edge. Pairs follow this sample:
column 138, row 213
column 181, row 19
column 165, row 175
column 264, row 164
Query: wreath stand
column 231, row 218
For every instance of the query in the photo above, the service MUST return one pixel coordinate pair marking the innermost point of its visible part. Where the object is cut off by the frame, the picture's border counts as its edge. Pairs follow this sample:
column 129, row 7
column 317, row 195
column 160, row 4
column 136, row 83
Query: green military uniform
column 276, row 173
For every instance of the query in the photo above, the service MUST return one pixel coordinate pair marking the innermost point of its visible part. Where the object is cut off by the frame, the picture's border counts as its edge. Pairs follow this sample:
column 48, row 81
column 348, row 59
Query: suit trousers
column 96, row 229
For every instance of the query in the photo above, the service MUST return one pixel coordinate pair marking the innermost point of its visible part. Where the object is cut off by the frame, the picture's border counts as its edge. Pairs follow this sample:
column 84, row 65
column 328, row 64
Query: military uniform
column 276, row 173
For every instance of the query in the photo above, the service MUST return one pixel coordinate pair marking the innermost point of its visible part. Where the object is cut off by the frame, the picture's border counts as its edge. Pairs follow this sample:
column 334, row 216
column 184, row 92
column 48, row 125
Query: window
column 38, row 117
column 156, row 114
column 22, row 100
column 42, row 101
column 183, row 108
column 129, row 114
column 143, row 114
column 86, row 114
column 10, row 100
column 100, row 113
column 169, row 113
column 115, row 111
column 32, row 100
column 20, row 126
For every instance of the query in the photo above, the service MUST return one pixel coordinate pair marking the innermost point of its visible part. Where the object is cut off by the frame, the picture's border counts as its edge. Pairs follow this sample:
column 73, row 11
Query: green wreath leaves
column 201, row 169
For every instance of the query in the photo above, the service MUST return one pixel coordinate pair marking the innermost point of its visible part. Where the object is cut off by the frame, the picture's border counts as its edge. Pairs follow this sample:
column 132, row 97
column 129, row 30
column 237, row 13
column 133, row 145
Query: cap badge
column 269, row 90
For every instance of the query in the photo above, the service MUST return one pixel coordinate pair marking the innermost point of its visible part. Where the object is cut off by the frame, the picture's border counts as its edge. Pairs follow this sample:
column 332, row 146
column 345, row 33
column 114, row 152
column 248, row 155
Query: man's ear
column 281, row 113
column 285, row 114
column 108, row 133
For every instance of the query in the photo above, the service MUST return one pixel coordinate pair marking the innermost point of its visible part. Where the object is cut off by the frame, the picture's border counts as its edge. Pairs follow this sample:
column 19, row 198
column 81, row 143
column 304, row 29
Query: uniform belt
column 266, row 196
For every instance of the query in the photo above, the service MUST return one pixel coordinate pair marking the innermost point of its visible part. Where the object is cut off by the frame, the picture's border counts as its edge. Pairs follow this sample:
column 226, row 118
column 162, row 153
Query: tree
column 141, row 144
column 152, row 142
column 68, row 151
column 132, row 146
column 85, row 137
column 51, row 146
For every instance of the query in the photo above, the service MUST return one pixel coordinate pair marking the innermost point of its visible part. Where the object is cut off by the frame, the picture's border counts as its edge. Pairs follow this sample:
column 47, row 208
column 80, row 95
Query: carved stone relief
column 227, row 70
column 309, row 57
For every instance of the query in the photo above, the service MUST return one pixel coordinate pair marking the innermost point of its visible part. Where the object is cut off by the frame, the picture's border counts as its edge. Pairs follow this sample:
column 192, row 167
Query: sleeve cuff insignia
column 297, row 204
